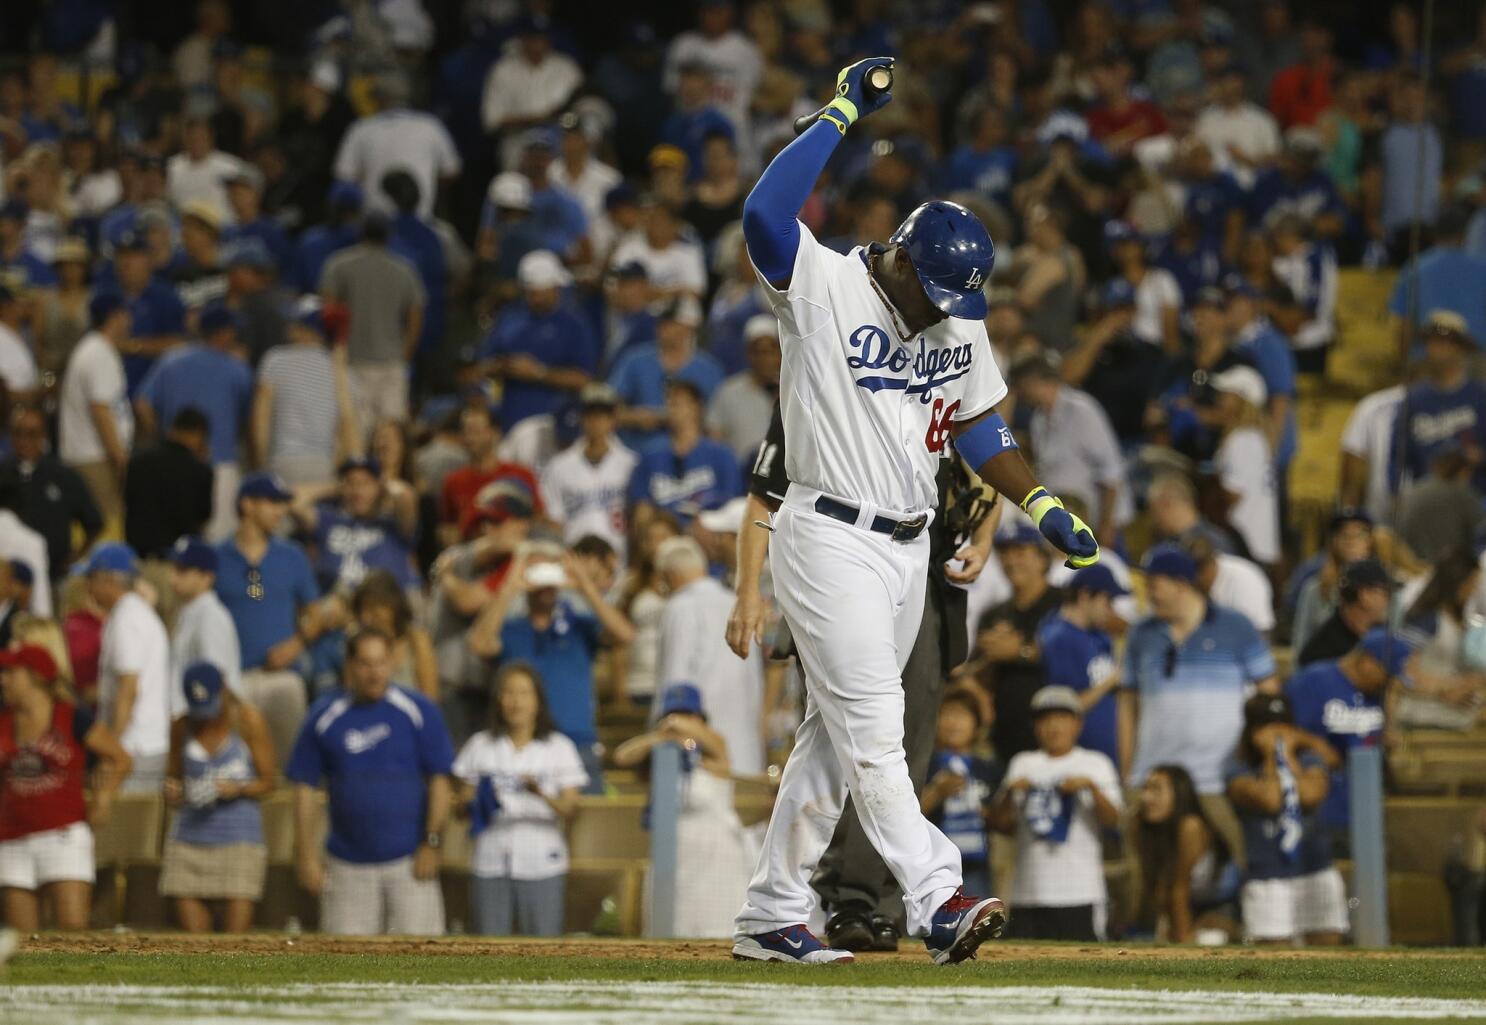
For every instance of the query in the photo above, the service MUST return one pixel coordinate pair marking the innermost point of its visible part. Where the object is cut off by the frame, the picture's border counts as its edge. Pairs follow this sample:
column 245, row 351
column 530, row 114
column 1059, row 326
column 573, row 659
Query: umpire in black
column 855, row 886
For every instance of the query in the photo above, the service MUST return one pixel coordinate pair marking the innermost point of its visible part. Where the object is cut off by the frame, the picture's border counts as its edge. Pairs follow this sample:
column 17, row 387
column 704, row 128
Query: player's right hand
column 746, row 623
column 1069, row 534
column 852, row 101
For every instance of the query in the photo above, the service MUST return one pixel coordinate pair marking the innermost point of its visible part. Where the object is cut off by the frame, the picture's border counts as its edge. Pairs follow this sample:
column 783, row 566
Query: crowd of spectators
column 380, row 391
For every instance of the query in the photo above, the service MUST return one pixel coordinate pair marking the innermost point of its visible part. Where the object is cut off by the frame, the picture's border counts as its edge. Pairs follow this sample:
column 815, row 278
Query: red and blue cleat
column 794, row 944
column 961, row 925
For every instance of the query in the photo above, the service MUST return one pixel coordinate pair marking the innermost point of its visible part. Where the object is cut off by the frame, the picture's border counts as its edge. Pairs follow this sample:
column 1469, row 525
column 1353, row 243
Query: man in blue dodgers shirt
column 685, row 472
column 1342, row 700
column 384, row 756
column 1077, row 652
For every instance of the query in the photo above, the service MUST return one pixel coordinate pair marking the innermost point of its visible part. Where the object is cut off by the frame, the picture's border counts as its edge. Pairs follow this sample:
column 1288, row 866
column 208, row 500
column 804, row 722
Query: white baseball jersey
column 588, row 498
column 866, row 415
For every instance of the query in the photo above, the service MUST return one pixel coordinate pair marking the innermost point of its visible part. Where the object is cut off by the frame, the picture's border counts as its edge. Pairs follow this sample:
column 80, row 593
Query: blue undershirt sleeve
column 770, row 211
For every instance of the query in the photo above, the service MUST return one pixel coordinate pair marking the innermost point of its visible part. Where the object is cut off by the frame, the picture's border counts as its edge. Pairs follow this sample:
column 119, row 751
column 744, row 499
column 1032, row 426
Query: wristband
column 1038, row 502
column 985, row 440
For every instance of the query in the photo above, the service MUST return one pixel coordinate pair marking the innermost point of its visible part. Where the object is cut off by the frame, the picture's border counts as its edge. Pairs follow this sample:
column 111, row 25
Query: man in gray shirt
column 738, row 414
column 1073, row 444
column 385, row 298
column 204, row 629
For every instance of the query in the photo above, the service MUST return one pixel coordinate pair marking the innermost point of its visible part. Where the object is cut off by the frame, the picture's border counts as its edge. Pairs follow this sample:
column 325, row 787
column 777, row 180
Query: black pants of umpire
column 851, row 873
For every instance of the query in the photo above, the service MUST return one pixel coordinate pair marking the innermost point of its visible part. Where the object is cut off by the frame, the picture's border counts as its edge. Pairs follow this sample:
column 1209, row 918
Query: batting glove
column 1069, row 534
column 851, row 100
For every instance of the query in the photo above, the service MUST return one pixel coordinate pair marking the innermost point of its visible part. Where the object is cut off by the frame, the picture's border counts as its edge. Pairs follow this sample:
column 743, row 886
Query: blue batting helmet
column 953, row 255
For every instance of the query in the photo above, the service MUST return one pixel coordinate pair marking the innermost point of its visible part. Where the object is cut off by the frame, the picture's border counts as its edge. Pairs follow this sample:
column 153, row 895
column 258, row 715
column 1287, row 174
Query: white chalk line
column 689, row 1003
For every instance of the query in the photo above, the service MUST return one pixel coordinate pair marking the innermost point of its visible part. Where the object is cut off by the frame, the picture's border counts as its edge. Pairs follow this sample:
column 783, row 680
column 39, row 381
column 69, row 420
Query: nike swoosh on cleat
column 794, row 944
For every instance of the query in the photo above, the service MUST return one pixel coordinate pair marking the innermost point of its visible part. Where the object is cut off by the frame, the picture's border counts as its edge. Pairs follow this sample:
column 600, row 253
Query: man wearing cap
column 1243, row 136
column 1443, row 406
column 1187, row 670
column 303, row 413
column 95, row 423
column 1158, row 298
column 738, row 412
column 1243, row 463
column 266, row 583
column 397, row 136
column 245, row 196
column 133, row 665
column 628, row 321
column 643, row 373
column 559, row 636
column 197, row 273
column 1254, row 339
column 507, row 230
column 1297, row 184
column 540, row 349
column 1057, row 801
column 731, row 57
column 684, row 472
column 528, row 85
column 1006, row 637
column 319, row 243
column 1343, row 699
column 385, row 297
column 18, row 372
column 693, row 648
column 586, row 483
column 207, row 375
column 587, row 178
column 157, row 316
column 1183, row 383
column 675, row 265
column 168, row 486
column 1075, row 449
column 694, row 117
column 204, row 630
column 1364, row 592
column 358, row 524
column 1077, row 652
column 480, row 435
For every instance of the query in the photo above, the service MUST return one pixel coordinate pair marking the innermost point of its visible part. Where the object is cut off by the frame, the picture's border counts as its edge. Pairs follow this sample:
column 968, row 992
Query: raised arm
column 770, row 212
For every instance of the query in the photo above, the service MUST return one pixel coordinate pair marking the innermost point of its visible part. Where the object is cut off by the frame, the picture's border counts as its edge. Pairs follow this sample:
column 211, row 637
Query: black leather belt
column 898, row 530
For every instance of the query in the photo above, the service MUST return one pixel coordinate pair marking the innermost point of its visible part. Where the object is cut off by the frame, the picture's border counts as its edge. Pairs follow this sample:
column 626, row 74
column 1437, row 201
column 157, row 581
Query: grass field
column 168, row 980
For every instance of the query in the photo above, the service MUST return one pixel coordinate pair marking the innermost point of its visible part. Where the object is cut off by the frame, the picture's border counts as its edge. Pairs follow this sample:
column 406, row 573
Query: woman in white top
column 643, row 601
column 1244, row 464
column 715, row 857
column 519, row 779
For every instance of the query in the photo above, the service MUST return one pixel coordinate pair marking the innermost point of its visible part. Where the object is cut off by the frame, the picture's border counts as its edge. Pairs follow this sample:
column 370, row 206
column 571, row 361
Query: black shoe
column 851, row 930
column 885, row 934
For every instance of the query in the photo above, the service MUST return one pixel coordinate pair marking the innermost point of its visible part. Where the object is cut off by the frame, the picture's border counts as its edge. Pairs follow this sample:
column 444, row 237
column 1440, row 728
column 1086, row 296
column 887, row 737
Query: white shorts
column 1282, row 909
column 55, row 856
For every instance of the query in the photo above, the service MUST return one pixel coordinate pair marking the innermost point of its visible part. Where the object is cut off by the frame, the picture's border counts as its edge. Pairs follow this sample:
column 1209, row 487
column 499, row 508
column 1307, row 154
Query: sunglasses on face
column 1170, row 665
column 255, row 585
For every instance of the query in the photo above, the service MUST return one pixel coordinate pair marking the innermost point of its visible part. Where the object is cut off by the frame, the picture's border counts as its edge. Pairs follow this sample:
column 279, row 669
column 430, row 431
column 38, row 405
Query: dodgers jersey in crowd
column 866, row 415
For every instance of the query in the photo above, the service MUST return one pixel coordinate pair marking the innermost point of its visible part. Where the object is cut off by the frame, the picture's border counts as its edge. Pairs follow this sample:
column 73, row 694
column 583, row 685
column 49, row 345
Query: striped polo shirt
column 304, row 407
column 1192, row 694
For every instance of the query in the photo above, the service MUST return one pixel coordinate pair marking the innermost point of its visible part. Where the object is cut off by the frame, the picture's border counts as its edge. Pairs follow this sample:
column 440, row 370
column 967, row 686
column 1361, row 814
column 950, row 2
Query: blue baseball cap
column 203, row 685
column 216, row 317
column 1388, row 649
column 368, row 463
column 1022, row 533
column 310, row 312
column 1098, row 578
column 1170, row 560
column 112, row 557
column 129, row 241
column 264, row 485
column 1116, row 232
column 104, row 305
column 345, row 196
column 683, row 698
column 193, row 553
column 250, row 252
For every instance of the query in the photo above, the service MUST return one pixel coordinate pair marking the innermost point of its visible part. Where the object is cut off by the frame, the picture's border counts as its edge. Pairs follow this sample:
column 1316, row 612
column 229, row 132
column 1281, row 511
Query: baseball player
column 885, row 361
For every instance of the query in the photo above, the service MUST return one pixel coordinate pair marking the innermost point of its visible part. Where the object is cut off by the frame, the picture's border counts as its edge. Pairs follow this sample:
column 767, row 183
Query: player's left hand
column 972, row 559
column 1069, row 534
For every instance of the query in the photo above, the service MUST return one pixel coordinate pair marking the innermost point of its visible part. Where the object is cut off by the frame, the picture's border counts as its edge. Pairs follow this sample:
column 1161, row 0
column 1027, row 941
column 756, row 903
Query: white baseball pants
column 854, row 600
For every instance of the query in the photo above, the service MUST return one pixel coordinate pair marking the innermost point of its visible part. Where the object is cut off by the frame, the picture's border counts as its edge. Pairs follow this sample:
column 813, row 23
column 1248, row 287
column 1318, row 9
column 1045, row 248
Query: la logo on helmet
column 975, row 278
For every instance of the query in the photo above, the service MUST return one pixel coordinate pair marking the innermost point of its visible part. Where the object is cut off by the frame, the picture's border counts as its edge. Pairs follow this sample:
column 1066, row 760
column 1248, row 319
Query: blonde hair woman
column 1244, row 463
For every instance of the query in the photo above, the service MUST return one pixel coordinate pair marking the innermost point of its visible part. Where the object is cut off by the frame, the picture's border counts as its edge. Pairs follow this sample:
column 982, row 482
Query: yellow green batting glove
column 853, row 98
column 1069, row 534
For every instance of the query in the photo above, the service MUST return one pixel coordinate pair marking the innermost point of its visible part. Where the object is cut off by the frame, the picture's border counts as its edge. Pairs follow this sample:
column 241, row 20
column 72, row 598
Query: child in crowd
column 1292, row 893
column 961, row 785
column 1188, row 878
column 221, row 764
column 520, row 780
column 1056, row 801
